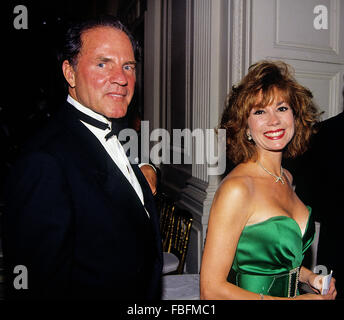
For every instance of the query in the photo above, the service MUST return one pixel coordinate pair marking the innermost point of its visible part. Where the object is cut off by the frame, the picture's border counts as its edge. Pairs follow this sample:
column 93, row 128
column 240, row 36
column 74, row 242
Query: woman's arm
column 229, row 214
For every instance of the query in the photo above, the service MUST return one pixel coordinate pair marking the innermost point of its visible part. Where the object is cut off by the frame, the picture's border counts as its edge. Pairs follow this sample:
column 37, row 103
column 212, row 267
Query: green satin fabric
column 267, row 251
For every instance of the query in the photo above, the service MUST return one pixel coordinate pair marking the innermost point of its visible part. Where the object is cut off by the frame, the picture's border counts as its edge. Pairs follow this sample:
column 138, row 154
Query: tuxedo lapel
column 86, row 141
column 101, row 166
column 150, row 206
column 116, row 179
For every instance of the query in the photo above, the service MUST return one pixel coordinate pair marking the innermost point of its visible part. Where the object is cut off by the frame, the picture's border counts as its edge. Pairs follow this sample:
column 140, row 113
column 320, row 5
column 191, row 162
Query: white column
column 209, row 83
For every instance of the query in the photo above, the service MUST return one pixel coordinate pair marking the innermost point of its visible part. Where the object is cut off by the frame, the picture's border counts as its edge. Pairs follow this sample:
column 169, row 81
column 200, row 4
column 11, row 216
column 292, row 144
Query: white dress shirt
column 112, row 146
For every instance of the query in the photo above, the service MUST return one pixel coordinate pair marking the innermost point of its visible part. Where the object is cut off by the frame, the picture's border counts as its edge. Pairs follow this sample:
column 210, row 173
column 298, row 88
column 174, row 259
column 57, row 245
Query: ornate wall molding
column 331, row 49
column 240, row 13
column 201, row 73
column 209, row 85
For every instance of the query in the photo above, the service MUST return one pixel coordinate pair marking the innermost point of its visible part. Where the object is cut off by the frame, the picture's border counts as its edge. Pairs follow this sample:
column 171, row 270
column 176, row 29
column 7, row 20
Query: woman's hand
column 315, row 282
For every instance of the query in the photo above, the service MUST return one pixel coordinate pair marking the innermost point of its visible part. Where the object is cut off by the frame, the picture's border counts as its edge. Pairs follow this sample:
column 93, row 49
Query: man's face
column 104, row 76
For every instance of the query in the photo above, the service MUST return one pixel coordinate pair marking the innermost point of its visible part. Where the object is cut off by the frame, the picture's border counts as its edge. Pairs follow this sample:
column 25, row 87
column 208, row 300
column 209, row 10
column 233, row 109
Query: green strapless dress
column 269, row 256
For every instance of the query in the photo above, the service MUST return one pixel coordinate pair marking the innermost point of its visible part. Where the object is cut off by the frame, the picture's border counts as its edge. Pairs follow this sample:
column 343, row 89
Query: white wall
column 284, row 29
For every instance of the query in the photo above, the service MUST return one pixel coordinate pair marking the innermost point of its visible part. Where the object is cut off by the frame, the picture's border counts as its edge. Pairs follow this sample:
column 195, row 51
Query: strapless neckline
column 269, row 252
column 281, row 217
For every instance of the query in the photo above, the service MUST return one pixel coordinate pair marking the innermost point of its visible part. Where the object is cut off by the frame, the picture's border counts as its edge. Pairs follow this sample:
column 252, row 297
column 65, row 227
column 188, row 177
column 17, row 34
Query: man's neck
column 87, row 110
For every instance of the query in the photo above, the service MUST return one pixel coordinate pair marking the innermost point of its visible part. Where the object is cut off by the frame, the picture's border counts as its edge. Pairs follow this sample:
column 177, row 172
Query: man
column 319, row 177
column 79, row 216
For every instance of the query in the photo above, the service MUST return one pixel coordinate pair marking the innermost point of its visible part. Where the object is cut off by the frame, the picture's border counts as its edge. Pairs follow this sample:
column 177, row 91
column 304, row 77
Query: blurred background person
column 320, row 184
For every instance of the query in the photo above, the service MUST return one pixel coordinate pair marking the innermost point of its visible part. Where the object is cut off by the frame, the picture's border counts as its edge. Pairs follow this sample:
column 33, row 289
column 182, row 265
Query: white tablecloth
column 180, row 287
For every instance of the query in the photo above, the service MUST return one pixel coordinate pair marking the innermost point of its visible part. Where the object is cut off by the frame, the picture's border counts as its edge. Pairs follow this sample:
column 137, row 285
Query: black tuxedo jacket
column 76, row 223
column 319, row 176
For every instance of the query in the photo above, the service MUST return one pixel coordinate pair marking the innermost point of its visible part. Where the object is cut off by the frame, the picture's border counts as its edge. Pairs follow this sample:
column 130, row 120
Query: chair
column 179, row 286
column 177, row 241
column 165, row 207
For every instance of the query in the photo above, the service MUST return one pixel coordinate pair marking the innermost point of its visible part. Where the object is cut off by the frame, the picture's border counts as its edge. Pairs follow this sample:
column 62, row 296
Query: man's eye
column 129, row 67
column 101, row 65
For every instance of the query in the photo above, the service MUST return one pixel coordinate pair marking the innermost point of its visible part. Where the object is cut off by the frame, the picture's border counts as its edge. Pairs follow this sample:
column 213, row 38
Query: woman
column 258, row 228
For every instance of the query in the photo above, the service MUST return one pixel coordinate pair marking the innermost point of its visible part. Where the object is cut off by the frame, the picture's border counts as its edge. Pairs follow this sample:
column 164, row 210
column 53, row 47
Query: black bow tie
column 116, row 124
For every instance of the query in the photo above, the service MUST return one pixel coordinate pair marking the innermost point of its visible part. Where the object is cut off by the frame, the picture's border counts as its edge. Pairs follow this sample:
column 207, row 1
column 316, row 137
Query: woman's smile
column 275, row 134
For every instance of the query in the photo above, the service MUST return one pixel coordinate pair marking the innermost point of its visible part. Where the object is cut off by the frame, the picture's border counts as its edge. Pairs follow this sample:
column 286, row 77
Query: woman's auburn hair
column 266, row 78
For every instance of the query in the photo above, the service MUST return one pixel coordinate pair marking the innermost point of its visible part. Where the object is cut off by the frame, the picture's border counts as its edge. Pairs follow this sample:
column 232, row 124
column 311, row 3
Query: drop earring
column 249, row 137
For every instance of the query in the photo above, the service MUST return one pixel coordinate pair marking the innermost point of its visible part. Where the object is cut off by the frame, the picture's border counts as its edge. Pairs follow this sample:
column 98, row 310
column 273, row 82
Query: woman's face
column 272, row 127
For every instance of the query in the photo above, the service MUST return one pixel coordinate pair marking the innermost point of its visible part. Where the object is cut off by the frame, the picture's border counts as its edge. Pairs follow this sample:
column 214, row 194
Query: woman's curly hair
column 264, row 78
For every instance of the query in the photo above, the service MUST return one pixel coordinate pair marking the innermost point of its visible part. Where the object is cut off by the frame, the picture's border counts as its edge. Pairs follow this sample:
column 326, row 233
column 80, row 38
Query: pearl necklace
column 278, row 178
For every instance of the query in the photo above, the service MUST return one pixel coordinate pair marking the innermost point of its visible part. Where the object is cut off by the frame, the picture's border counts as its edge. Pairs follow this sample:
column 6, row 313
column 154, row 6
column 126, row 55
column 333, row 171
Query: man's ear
column 69, row 73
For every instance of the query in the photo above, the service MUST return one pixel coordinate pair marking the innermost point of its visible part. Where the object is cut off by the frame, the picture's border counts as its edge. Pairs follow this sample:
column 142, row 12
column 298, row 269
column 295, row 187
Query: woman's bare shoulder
column 239, row 180
column 236, row 183
column 235, row 194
